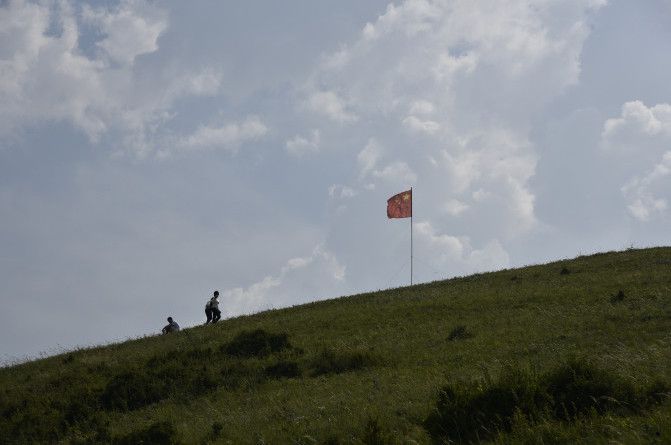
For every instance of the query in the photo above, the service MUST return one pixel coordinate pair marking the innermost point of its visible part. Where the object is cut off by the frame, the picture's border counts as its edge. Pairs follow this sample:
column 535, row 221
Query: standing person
column 172, row 326
column 212, row 311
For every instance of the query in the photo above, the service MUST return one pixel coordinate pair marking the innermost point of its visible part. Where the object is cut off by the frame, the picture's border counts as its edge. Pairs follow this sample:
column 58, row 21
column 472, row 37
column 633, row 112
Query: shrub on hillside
column 658, row 392
column 257, row 343
column 80, row 406
column 283, row 369
column 33, row 424
column 459, row 333
column 579, row 387
column 159, row 433
column 618, row 297
column 332, row 440
column 470, row 412
column 215, row 431
column 179, row 358
column 374, row 434
column 328, row 361
column 132, row 390
column 180, row 374
column 233, row 375
column 47, row 415
column 475, row 412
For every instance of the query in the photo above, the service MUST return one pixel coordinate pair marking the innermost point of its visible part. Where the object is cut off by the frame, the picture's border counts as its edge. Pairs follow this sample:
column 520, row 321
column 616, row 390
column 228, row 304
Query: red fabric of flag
column 400, row 205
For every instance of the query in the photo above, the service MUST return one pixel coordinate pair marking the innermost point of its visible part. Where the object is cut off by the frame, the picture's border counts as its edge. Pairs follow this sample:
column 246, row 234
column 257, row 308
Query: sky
column 152, row 152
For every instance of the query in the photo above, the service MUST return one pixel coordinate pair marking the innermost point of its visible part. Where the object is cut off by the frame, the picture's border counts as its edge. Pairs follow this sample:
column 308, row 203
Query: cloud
column 463, row 169
column 470, row 78
column 447, row 246
column 339, row 191
column 639, row 139
column 461, row 42
column 204, row 83
column 319, row 272
column 329, row 104
column 454, row 207
column 83, row 67
column 299, row 146
column 397, row 172
column 44, row 75
column 422, row 107
column 130, row 30
column 422, row 126
column 446, row 252
column 417, row 119
column 368, row 161
column 229, row 136
column 368, row 157
column 642, row 194
column 636, row 123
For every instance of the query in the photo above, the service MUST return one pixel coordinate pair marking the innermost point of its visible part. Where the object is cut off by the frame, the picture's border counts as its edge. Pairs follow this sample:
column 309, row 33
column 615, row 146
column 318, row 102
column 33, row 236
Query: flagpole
column 411, row 205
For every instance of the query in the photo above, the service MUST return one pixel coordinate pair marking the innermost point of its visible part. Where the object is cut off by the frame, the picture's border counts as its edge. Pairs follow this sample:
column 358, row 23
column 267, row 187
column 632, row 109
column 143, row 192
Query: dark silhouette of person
column 212, row 311
column 172, row 326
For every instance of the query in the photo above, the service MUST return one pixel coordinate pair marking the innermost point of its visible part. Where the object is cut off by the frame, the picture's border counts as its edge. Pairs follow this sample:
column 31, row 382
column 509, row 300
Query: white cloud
column 643, row 206
column 505, row 44
column 130, row 30
column 444, row 251
column 454, row 207
column 328, row 103
column 422, row 107
column 204, row 83
column 293, row 284
column 299, row 146
column 422, row 126
column 481, row 195
column 636, row 123
column 471, row 75
column 339, row 191
column 492, row 256
column 642, row 193
column 368, row 157
column 638, row 138
column 447, row 246
column 397, row 172
column 449, row 66
column 336, row 60
column 463, row 169
column 411, row 18
column 45, row 75
column 368, row 160
column 228, row 136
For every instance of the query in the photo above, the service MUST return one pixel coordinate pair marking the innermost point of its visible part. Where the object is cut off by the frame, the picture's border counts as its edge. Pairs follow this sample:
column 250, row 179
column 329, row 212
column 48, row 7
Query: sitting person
column 172, row 326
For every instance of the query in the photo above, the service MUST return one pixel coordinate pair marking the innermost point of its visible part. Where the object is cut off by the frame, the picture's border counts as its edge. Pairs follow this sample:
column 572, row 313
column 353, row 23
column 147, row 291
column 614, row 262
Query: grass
column 568, row 393
column 572, row 351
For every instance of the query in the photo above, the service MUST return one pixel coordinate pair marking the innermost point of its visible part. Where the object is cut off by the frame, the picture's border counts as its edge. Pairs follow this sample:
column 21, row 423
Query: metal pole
column 412, row 198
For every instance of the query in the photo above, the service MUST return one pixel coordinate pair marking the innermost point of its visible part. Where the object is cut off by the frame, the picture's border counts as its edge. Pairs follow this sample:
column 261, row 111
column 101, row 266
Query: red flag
column 400, row 206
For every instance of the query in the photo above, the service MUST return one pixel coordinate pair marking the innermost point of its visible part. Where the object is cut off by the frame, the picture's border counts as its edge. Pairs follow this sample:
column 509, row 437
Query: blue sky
column 151, row 152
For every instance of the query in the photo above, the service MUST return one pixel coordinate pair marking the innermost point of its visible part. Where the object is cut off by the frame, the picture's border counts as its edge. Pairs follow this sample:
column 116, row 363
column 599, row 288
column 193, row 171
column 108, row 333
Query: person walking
column 172, row 326
column 212, row 311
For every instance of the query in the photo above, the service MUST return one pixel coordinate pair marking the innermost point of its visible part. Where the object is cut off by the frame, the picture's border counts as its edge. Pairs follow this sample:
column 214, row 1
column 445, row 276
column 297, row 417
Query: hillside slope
column 590, row 336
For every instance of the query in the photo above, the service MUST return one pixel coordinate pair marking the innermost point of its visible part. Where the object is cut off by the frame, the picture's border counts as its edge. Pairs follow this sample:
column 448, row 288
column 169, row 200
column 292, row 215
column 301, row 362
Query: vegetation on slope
column 577, row 350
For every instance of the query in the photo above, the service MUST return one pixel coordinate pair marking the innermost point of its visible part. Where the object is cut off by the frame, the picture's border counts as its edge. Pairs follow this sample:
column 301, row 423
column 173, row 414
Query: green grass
column 573, row 351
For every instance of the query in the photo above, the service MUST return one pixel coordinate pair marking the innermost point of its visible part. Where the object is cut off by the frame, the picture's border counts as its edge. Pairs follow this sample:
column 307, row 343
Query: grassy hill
column 576, row 350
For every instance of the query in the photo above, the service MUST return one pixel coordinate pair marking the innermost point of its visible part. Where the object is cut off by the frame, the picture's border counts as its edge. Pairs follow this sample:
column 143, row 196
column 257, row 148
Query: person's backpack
column 208, row 305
